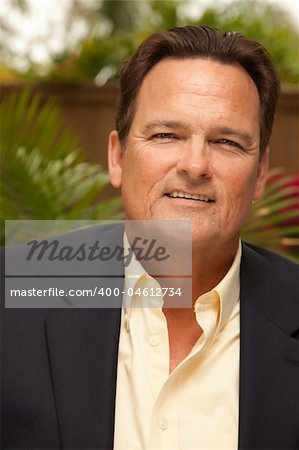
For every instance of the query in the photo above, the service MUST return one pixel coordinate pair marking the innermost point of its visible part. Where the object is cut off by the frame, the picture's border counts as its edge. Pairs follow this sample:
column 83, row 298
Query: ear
column 115, row 155
column 261, row 176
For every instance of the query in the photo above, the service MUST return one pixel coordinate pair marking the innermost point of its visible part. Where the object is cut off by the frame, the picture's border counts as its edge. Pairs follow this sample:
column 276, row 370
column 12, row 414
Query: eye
column 164, row 136
column 227, row 142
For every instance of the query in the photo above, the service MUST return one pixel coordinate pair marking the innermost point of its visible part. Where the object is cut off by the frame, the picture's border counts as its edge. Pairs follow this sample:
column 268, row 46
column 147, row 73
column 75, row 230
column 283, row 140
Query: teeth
column 178, row 194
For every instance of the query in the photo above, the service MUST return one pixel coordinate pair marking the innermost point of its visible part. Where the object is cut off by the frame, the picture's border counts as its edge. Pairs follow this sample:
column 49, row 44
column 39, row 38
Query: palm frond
column 274, row 220
column 43, row 174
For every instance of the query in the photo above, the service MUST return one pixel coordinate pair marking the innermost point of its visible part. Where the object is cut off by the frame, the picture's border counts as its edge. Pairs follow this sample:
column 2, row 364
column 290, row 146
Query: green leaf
column 43, row 175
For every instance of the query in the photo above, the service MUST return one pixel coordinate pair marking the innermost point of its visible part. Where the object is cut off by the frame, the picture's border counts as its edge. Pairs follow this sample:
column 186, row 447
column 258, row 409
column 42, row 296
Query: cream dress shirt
column 196, row 406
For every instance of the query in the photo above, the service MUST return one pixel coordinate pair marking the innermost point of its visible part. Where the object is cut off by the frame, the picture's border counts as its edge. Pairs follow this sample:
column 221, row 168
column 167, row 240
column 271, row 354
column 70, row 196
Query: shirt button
column 163, row 424
column 154, row 341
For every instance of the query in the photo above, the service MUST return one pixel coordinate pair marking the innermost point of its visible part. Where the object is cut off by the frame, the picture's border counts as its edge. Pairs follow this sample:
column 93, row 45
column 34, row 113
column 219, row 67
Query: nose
column 195, row 160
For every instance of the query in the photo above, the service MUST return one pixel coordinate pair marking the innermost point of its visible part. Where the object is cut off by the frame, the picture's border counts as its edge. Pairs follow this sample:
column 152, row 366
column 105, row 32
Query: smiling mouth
column 189, row 196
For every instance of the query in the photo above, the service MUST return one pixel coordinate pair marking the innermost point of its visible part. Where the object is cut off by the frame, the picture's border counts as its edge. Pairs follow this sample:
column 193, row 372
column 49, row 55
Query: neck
column 208, row 269
column 210, row 265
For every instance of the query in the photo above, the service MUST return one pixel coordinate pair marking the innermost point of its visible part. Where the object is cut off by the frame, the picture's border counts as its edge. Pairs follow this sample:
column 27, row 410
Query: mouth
column 190, row 196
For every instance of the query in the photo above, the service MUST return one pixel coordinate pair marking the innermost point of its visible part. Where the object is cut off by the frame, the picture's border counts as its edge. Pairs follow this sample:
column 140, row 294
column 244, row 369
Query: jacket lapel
column 269, row 361
column 83, row 348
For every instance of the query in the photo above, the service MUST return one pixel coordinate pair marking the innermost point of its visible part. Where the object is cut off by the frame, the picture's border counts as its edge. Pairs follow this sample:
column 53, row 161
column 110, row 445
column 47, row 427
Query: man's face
column 193, row 149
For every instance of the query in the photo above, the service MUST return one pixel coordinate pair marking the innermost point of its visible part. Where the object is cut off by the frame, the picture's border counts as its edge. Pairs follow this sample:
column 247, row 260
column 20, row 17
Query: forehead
column 198, row 86
column 199, row 72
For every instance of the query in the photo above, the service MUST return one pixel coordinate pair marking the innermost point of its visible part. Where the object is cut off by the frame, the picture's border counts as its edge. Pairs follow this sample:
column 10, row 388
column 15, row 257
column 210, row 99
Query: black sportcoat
column 58, row 367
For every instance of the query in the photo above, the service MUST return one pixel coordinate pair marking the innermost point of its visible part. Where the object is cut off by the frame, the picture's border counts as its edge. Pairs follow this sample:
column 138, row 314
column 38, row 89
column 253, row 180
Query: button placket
column 207, row 310
column 154, row 341
column 163, row 424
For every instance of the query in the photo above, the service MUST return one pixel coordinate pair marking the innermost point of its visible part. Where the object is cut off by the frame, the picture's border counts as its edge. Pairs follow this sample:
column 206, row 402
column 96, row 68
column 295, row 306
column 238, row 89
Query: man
column 191, row 142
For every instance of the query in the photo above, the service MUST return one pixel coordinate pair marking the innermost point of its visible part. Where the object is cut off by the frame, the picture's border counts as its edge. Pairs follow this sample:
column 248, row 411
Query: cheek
column 237, row 184
column 239, row 195
column 144, row 168
column 140, row 184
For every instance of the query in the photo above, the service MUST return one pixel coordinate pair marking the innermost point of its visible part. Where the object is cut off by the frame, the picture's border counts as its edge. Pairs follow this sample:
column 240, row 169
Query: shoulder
column 270, row 282
column 274, row 260
column 106, row 233
column 269, row 266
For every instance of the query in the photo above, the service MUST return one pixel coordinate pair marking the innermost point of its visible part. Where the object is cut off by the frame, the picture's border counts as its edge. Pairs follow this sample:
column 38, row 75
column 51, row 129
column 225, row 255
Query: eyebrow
column 168, row 124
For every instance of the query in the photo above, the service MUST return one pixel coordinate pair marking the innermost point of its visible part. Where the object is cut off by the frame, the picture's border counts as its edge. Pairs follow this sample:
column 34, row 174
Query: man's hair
column 199, row 42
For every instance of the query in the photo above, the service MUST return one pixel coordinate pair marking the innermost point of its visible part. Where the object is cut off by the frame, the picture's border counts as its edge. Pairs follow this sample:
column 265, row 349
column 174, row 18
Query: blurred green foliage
column 261, row 21
column 43, row 175
column 115, row 28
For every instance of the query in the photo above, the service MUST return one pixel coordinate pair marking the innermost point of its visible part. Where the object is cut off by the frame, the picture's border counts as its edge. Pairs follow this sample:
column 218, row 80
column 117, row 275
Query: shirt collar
column 134, row 272
column 228, row 289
